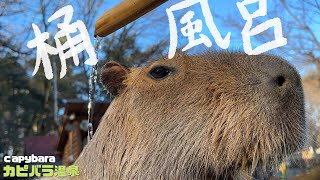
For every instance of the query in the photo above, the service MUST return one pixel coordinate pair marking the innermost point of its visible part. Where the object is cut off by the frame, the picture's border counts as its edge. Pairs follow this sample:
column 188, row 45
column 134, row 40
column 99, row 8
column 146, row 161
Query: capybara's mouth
column 282, row 138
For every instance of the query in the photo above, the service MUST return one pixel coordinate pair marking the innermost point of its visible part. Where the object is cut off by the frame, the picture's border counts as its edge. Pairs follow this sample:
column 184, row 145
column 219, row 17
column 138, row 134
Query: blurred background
column 49, row 117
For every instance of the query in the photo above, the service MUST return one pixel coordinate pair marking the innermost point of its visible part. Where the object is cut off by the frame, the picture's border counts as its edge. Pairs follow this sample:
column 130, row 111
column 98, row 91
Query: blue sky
column 223, row 12
column 218, row 8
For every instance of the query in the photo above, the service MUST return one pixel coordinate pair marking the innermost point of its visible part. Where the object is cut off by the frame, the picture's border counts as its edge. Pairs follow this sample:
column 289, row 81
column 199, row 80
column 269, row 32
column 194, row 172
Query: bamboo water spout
column 123, row 14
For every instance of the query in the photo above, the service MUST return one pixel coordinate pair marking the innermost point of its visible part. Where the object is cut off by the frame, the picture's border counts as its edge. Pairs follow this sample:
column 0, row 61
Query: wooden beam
column 123, row 14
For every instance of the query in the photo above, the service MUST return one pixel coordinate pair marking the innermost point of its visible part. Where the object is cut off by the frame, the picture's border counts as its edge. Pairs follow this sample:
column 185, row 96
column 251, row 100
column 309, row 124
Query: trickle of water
column 92, row 88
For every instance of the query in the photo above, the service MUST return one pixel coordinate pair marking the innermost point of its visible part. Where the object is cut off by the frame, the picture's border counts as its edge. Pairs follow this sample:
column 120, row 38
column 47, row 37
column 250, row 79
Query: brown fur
column 218, row 115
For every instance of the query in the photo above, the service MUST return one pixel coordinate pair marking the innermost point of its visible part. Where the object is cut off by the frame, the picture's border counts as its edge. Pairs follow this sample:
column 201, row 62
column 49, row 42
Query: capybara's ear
column 112, row 76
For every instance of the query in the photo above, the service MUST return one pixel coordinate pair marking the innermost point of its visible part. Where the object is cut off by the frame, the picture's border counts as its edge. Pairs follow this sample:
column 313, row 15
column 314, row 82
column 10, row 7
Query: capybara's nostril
column 280, row 80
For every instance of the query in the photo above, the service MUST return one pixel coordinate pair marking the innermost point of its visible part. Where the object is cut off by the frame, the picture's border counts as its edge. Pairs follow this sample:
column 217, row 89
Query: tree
column 28, row 100
column 19, row 104
column 303, row 20
column 37, row 117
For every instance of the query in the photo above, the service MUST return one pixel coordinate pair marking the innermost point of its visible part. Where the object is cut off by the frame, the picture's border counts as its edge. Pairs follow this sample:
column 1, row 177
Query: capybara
column 218, row 115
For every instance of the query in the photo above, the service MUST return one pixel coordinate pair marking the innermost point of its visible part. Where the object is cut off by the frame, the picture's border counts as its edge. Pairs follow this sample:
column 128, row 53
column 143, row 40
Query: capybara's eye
column 159, row 72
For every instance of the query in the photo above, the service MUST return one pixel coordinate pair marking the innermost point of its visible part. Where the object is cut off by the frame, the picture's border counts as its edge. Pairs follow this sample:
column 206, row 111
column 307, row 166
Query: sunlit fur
column 216, row 116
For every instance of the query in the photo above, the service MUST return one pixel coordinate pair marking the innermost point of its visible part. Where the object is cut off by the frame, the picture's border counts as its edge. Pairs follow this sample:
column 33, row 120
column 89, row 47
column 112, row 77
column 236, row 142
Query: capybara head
column 199, row 117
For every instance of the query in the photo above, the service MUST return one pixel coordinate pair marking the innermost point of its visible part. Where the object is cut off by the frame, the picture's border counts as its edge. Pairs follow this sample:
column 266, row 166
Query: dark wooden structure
column 73, row 131
column 40, row 145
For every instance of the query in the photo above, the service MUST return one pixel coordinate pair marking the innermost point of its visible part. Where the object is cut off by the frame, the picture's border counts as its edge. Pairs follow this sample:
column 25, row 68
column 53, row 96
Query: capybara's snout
column 276, row 76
